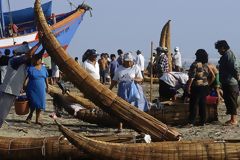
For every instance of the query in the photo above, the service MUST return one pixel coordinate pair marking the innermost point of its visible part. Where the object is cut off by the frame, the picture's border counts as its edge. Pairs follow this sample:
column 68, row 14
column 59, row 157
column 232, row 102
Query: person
column 120, row 57
column 162, row 60
column 55, row 72
column 91, row 65
column 4, row 63
column 177, row 60
column 128, row 76
column 140, row 61
column 214, row 83
column 13, row 81
column 113, row 65
column 198, row 87
column 36, row 87
column 229, row 77
column 169, row 83
column 103, row 65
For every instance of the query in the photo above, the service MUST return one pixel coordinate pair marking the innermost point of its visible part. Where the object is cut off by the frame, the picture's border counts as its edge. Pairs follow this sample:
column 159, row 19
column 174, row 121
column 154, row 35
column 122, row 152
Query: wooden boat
column 98, row 93
column 187, row 150
column 175, row 114
column 64, row 28
column 56, row 147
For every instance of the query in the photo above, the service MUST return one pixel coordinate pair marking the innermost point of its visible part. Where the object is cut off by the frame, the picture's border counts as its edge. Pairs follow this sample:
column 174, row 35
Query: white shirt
column 93, row 70
column 177, row 59
column 140, row 61
column 127, row 74
column 174, row 78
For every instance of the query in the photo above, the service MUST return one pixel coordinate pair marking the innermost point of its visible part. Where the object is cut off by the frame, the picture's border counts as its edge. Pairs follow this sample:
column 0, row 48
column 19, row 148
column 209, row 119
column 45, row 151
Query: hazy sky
column 133, row 24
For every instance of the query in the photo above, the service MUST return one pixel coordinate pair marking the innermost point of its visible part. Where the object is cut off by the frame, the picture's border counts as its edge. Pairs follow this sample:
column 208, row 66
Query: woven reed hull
column 172, row 115
column 37, row 148
column 148, row 79
column 187, row 150
column 98, row 93
column 50, row 147
column 74, row 98
column 178, row 114
column 94, row 116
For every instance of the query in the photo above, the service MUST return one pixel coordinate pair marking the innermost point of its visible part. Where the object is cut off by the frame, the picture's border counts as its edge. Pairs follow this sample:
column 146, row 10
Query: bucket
column 21, row 106
column 211, row 100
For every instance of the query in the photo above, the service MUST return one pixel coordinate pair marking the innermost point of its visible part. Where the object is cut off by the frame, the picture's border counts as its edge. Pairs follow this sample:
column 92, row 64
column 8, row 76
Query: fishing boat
column 97, row 92
column 175, row 114
column 56, row 147
column 62, row 25
column 168, row 150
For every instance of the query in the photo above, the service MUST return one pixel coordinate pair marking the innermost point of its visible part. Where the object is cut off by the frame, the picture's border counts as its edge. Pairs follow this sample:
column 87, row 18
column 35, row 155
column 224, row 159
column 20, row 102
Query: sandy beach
column 16, row 126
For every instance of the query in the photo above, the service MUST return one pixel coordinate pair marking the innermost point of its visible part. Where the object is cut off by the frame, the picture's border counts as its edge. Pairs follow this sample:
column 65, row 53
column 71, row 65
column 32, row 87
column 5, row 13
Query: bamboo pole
column 151, row 72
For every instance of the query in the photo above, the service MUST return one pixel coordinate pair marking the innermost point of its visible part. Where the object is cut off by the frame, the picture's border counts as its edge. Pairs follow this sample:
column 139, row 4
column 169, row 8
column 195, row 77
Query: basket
column 21, row 107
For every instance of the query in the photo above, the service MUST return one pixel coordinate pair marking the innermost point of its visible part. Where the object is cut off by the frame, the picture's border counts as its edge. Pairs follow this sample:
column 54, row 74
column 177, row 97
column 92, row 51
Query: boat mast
column 2, row 24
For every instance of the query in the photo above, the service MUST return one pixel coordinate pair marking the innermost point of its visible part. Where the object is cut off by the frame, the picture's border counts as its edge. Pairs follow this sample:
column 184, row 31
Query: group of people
column 24, row 72
column 203, row 77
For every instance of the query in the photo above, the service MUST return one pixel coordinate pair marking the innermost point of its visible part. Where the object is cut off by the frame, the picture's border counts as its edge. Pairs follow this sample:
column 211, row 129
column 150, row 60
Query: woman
column 198, row 87
column 36, row 87
column 128, row 76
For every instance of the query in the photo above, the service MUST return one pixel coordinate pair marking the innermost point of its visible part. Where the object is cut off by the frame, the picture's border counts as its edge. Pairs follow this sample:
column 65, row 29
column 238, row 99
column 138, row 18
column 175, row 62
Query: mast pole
column 2, row 24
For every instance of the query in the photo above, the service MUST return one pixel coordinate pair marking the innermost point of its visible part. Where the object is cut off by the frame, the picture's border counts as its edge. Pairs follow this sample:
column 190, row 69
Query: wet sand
column 16, row 126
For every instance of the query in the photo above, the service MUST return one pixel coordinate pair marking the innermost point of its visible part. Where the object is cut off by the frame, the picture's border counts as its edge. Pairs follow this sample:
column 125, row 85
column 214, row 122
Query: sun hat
column 128, row 56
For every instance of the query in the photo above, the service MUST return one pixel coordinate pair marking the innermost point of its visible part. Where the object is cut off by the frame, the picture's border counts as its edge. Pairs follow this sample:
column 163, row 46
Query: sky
column 132, row 24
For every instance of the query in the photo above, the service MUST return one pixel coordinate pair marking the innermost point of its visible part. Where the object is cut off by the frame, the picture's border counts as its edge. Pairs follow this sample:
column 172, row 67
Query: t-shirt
column 93, row 70
column 113, row 66
column 127, row 74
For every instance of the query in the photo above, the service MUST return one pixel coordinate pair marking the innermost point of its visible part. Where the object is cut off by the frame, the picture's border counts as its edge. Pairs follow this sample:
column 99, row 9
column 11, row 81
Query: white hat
column 128, row 56
column 176, row 49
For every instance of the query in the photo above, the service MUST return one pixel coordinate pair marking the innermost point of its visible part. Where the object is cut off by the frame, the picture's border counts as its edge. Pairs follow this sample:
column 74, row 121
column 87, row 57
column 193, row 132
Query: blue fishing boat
column 63, row 26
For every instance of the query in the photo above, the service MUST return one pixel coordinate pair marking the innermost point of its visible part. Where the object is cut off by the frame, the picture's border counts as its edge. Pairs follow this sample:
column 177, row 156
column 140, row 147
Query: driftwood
column 56, row 147
column 98, row 93
column 174, row 114
column 187, row 150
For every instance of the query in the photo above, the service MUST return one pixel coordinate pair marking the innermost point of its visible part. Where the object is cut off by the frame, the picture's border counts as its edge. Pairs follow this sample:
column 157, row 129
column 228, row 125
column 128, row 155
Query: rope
column 44, row 147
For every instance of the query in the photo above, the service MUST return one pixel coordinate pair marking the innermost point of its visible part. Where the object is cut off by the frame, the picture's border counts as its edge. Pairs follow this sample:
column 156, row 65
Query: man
column 140, row 61
column 120, row 57
column 162, row 60
column 113, row 65
column 91, row 65
column 13, row 81
column 3, row 64
column 103, row 66
column 229, row 77
column 177, row 60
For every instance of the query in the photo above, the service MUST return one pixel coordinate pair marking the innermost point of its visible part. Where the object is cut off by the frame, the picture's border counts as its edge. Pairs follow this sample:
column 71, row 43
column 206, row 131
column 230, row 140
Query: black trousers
column 198, row 100
column 230, row 95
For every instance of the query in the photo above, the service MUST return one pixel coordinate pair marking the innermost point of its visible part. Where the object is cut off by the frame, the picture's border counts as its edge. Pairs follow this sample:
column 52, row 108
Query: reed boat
column 56, row 147
column 168, row 150
column 98, row 93
column 174, row 114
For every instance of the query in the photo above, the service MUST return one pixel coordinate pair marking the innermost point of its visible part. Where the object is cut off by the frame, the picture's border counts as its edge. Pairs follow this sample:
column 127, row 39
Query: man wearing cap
column 177, row 60
column 140, row 61
column 91, row 65
column 13, row 81
column 229, row 73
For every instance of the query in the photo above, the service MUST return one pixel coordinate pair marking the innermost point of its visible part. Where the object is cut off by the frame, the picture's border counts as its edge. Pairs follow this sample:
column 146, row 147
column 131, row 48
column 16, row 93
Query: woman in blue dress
column 37, row 86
